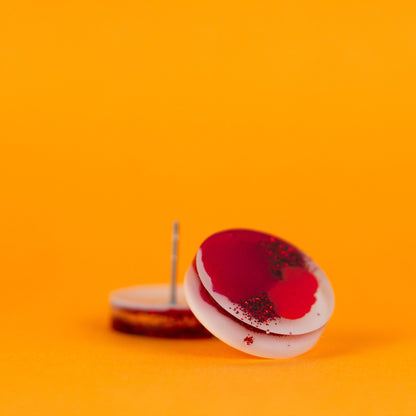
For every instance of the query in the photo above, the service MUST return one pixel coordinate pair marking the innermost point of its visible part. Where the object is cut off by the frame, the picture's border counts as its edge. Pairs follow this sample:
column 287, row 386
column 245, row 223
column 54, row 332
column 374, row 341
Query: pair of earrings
column 254, row 291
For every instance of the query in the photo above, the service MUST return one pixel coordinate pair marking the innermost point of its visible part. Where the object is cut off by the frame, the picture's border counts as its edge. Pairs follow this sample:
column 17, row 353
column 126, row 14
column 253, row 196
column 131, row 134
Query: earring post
column 174, row 262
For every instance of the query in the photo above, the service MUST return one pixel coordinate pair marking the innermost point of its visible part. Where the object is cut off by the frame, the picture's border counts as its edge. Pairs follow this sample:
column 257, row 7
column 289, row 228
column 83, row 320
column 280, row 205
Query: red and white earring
column 259, row 293
column 254, row 291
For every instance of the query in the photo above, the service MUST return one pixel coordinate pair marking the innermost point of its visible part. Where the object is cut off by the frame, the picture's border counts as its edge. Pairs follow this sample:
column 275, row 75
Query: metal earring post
column 174, row 262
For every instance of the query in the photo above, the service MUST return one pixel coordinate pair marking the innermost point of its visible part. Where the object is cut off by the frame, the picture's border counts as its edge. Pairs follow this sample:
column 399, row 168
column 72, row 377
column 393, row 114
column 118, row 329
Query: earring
column 156, row 310
column 259, row 293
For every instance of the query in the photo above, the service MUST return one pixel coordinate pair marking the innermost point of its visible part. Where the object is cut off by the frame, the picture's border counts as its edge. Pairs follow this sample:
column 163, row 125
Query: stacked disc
column 259, row 293
column 146, row 310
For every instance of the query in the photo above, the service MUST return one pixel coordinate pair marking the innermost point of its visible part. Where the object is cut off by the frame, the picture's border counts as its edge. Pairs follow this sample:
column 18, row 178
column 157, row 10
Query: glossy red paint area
column 265, row 275
column 294, row 295
column 238, row 264
column 259, row 307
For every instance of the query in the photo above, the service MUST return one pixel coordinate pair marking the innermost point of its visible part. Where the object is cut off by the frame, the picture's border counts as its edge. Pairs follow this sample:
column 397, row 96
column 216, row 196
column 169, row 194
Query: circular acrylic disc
column 265, row 282
column 145, row 310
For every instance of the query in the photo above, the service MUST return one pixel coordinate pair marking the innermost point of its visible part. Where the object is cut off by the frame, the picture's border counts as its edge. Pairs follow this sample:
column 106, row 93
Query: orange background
column 296, row 118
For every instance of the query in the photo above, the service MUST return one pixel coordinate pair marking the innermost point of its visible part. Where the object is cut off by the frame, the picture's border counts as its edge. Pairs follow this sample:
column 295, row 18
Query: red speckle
column 248, row 340
column 282, row 255
column 259, row 308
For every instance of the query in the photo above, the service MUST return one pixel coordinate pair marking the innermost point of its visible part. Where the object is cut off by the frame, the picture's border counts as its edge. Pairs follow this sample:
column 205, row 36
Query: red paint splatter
column 248, row 340
column 281, row 255
column 259, row 308
column 294, row 295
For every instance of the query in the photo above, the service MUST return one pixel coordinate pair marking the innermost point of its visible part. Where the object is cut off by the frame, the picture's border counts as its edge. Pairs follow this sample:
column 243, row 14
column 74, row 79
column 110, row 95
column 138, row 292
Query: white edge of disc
column 317, row 317
column 229, row 331
column 147, row 298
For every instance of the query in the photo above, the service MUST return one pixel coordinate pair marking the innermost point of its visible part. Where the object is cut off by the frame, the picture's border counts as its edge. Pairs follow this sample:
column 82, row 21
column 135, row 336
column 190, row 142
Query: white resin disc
column 318, row 316
column 239, row 336
column 148, row 298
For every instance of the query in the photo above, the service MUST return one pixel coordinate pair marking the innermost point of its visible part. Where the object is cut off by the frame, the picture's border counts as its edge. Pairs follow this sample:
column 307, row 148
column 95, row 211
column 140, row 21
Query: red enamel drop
column 294, row 295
